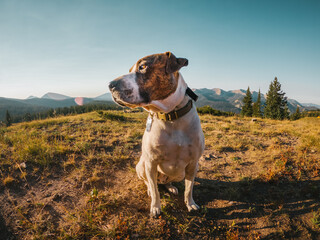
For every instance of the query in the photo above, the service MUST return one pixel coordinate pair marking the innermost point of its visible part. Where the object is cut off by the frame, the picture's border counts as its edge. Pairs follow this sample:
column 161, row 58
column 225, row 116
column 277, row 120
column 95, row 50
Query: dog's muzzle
column 113, row 85
column 114, row 89
column 125, row 91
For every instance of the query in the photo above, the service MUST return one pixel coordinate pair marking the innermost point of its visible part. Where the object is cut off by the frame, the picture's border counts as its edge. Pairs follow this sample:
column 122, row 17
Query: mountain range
column 231, row 101
column 48, row 101
column 217, row 98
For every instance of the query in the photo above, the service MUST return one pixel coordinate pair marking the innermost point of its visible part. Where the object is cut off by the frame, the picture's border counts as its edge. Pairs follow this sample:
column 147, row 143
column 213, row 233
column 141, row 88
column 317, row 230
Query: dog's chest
column 173, row 143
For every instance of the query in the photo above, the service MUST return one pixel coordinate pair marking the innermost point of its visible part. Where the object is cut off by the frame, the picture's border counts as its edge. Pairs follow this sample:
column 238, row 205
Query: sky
column 75, row 47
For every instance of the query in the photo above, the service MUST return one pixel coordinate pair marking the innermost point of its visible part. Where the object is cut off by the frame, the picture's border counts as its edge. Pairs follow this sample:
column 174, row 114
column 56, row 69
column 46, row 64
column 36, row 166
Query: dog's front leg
column 191, row 171
column 151, row 172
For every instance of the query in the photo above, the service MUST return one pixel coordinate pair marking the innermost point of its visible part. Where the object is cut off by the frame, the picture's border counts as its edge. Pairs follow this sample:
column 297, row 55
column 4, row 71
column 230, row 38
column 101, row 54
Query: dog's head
column 151, row 80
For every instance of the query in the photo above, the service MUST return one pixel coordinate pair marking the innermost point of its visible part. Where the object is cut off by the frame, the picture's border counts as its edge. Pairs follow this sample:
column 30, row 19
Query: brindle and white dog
column 173, row 140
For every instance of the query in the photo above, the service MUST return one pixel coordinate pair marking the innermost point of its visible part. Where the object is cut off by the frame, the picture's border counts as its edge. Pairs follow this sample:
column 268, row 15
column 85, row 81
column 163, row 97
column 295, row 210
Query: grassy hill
column 74, row 178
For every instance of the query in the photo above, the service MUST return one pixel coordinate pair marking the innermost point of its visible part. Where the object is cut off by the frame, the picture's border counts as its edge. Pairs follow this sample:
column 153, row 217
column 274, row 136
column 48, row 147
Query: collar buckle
column 173, row 115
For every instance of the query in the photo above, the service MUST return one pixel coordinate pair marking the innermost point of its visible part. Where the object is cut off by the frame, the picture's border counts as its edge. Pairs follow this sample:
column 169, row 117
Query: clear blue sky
column 76, row 47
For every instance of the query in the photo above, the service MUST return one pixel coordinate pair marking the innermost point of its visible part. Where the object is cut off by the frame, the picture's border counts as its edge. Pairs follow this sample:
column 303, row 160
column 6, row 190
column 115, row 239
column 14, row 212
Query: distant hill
column 48, row 101
column 217, row 99
column 17, row 107
column 31, row 97
column 51, row 103
column 311, row 105
column 55, row 96
column 231, row 101
column 104, row 97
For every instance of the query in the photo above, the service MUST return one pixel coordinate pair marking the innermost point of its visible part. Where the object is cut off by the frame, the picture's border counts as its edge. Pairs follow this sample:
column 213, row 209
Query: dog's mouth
column 123, row 103
column 119, row 102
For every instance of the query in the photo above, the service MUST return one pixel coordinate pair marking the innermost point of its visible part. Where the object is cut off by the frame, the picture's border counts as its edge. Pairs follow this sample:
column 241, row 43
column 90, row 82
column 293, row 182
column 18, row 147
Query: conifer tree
column 296, row 115
column 8, row 119
column 286, row 114
column 27, row 117
column 298, row 112
column 247, row 107
column 276, row 103
column 257, row 106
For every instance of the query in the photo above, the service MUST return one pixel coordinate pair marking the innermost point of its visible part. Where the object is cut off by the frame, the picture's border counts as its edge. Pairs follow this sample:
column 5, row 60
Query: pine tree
column 286, row 113
column 296, row 115
column 27, row 117
column 8, row 119
column 247, row 107
column 257, row 106
column 276, row 103
column 298, row 112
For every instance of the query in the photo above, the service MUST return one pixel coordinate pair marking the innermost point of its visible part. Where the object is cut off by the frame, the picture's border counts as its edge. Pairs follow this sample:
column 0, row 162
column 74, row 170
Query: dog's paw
column 172, row 189
column 155, row 212
column 192, row 207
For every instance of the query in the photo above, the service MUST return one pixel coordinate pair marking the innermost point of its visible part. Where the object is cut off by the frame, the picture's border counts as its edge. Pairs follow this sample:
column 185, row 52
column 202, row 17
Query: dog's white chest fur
column 173, row 145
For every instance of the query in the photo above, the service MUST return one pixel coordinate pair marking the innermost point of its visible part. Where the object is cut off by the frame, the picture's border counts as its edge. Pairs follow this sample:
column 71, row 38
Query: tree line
column 53, row 112
column 276, row 106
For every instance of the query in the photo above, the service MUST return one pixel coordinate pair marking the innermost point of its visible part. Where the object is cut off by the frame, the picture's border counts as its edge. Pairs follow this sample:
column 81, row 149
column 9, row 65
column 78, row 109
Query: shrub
column 209, row 110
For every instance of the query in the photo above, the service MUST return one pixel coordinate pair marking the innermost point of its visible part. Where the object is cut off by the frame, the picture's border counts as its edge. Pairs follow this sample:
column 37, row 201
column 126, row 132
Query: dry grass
column 74, row 178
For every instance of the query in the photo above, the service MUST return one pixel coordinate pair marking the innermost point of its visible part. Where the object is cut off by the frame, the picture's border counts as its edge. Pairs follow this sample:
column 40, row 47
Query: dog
column 173, row 140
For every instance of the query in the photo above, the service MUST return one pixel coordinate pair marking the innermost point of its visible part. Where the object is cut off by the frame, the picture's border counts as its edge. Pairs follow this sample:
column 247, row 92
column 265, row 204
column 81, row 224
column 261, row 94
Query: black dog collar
column 173, row 115
column 192, row 94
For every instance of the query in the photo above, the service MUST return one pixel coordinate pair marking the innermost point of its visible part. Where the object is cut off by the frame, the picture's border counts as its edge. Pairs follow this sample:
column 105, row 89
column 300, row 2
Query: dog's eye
column 142, row 67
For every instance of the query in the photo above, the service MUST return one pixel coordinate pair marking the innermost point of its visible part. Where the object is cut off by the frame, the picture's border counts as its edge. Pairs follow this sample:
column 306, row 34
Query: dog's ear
column 131, row 68
column 174, row 64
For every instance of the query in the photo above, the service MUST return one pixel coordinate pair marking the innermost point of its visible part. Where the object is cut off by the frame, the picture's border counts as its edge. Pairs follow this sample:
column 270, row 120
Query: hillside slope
column 74, row 178
column 16, row 107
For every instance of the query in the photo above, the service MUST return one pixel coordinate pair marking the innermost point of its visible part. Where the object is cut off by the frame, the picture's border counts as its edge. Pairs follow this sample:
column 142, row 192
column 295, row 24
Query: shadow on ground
column 249, row 201
column 4, row 231
column 295, row 197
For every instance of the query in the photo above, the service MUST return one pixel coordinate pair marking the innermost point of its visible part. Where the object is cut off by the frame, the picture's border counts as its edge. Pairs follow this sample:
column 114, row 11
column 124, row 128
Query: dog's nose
column 113, row 85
